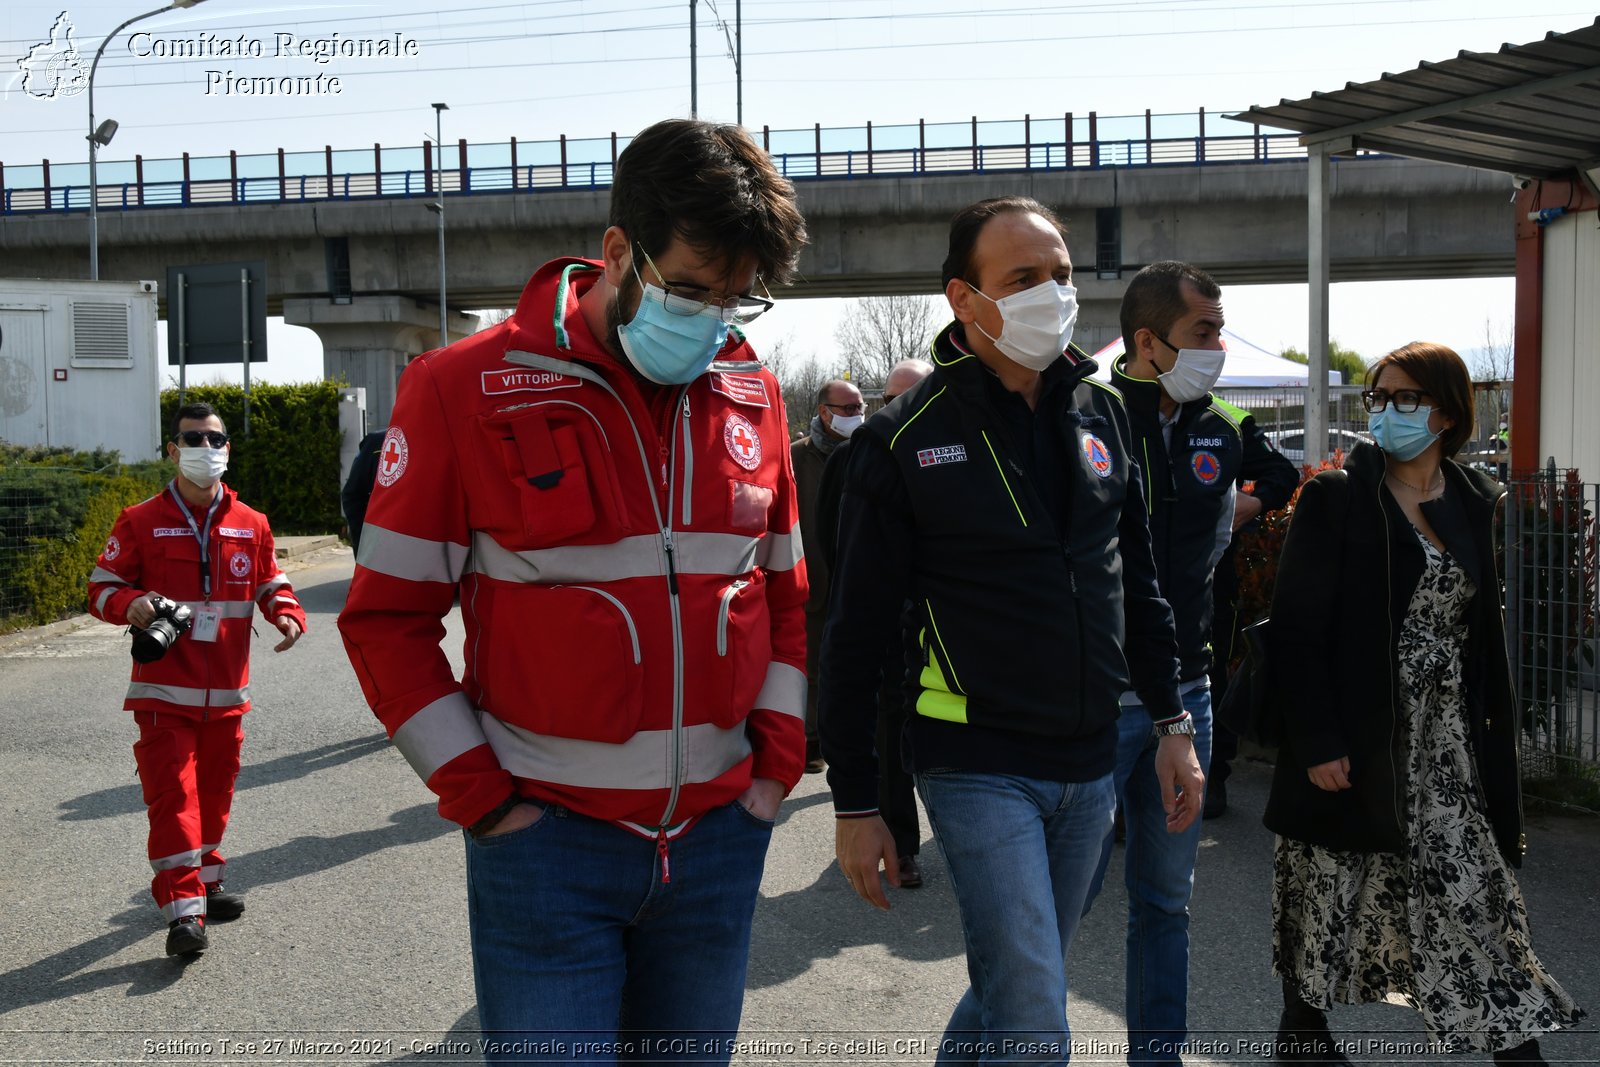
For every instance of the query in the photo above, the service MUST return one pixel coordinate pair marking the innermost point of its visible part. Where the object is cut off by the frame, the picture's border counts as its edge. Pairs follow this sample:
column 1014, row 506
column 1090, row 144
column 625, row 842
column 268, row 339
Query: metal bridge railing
column 1083, row 142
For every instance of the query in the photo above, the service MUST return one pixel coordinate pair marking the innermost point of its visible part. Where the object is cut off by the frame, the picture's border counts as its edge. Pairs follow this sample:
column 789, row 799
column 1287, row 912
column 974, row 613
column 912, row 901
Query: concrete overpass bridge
column 351, row 250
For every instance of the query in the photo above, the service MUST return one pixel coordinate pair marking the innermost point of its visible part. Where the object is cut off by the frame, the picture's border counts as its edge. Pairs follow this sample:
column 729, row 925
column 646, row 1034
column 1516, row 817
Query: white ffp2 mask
column 1038, row 323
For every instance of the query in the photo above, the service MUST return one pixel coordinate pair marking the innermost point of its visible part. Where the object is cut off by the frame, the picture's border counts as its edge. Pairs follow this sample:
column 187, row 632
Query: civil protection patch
column 1098, row 455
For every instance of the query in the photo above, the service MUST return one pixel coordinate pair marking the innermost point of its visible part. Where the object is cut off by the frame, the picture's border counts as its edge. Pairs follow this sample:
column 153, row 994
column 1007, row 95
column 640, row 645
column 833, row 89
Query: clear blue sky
column 587, row 67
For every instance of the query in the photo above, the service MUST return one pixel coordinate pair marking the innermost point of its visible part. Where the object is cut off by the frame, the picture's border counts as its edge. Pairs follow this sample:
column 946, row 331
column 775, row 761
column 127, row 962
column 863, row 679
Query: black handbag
column 1247, row 707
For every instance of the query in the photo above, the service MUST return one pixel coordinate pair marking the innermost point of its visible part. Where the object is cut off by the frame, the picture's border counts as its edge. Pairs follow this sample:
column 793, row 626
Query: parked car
column 1292, row 443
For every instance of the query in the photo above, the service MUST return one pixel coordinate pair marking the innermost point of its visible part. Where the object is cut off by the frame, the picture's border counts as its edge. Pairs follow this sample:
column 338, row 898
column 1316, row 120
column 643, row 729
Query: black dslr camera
column 172, row 620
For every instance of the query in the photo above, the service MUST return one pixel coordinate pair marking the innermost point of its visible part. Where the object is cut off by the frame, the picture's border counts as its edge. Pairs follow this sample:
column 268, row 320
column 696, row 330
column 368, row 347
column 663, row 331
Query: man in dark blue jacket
column 1001, row 497
column 1193, row 448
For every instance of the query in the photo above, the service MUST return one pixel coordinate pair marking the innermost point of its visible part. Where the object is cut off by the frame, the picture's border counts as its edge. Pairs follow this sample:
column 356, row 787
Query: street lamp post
column 438, row 187
column 101, row 136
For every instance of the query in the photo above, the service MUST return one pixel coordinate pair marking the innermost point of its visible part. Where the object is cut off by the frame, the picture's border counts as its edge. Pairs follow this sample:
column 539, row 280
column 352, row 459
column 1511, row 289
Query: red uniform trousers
column 187, row 768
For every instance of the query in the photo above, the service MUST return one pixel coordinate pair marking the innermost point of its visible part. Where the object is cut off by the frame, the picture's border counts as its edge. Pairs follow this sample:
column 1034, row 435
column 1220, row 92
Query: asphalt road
column 354, row 947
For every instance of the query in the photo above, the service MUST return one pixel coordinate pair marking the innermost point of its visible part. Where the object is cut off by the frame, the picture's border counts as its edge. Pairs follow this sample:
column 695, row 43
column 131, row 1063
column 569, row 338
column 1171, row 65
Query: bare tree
column 880, row 331
column 492, row 317
column 800, row 376
column 1495, row 360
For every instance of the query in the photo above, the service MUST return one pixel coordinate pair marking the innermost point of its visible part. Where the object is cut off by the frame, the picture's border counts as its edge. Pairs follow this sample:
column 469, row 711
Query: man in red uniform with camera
column 186, row 569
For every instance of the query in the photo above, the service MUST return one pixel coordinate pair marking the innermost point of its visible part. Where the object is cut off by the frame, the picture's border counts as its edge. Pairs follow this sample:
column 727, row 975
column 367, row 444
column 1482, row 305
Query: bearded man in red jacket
column 604, row 482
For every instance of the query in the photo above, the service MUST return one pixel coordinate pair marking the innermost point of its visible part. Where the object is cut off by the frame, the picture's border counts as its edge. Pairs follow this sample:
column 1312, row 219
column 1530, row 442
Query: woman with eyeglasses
column 1396, row 796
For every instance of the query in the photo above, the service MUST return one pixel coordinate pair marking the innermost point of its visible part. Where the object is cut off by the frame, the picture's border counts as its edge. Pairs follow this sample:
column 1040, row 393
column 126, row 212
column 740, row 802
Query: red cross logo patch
column 113, row 548
column 1098, row 455
column 744, row 444
column 239, row 564
column 1207, row 468
column 392, row 457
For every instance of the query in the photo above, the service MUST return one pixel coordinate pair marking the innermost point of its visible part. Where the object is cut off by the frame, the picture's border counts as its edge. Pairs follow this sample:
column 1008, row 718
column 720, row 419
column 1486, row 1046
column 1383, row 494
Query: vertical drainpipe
column 1528, row 336
column 1318, row 269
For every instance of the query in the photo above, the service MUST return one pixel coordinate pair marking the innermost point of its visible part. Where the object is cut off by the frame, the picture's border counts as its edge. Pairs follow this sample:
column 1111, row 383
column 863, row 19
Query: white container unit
column 78, row 365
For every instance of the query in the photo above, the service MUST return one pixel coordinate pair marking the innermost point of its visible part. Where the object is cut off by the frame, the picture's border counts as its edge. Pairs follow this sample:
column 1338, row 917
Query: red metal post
column 1527, row 359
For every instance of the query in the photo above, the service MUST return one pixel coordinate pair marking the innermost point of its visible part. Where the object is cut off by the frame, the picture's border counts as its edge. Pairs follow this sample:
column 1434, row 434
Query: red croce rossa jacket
column 152, row 549
column 628, row 565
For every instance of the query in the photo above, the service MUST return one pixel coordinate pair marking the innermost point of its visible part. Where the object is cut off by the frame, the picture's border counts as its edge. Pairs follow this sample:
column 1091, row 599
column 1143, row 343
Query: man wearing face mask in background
column 897, row 795
column 604, row 479
column 1001, row 496
column 839, row 412
column 1193, row 448
column 197, row 544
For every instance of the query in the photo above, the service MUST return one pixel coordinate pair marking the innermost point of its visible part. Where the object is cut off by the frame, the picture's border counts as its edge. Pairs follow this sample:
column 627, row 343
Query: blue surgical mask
column 1404, row 435
column 671, row 349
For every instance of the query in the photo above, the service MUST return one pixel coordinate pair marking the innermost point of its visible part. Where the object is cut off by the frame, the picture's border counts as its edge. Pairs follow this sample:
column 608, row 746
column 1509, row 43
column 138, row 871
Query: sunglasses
column 196, row 438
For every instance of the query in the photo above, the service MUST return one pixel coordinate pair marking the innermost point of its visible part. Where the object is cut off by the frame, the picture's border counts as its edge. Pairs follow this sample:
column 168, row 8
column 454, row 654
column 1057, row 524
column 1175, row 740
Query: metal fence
column 35, row 510
column 1551, row 547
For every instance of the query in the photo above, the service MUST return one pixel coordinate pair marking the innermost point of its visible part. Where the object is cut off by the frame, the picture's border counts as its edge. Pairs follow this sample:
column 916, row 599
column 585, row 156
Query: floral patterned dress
column 1441, row 927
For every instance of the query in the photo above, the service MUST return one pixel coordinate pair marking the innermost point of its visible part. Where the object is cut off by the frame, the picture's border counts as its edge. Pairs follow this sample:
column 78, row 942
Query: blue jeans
column 1020, row 853
column 1158, row 868
column 583, row 953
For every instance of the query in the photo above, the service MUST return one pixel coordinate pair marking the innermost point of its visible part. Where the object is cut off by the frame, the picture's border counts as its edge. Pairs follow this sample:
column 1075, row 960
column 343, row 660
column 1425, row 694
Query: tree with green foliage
column 1351, row 367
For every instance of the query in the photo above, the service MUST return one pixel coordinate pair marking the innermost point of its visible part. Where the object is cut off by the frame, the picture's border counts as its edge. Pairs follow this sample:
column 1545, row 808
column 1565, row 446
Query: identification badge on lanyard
column 207, row 622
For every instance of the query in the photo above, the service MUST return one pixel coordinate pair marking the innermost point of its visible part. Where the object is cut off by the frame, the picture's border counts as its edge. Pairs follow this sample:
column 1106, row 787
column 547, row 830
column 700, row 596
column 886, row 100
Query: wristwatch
column 1184, row 725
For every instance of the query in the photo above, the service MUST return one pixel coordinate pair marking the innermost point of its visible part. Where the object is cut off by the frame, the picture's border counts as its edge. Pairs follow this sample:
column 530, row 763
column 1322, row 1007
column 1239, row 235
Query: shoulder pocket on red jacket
column 560, row 470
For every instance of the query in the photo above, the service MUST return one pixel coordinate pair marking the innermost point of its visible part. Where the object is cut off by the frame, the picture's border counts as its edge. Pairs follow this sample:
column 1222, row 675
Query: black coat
column 1349, row 567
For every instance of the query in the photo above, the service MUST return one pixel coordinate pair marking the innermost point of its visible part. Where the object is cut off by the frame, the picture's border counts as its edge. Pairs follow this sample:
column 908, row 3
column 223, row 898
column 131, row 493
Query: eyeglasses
column 1405, row 401
column 196, row 438
column 684, row 299
column 846, row 409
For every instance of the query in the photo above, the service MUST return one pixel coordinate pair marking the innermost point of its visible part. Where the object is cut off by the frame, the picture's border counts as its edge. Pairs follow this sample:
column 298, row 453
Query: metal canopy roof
column 1530, row 109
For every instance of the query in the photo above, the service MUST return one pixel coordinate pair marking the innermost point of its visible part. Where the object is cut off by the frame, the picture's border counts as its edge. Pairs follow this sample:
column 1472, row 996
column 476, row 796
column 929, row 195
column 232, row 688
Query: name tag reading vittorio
column 207, row 621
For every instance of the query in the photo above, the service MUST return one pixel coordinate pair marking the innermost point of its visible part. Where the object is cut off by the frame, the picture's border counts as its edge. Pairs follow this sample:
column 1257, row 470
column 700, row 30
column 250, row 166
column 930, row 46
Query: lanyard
column 203, row 537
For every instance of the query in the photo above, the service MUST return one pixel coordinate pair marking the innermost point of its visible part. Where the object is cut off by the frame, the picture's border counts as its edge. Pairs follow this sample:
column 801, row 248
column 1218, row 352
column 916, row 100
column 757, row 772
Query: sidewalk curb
column 289, row 549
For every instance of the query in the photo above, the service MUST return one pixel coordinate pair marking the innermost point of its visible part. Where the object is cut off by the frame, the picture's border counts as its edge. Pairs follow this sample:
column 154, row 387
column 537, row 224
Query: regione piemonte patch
column 932, row 457
column 392, row 458
column 742, row 441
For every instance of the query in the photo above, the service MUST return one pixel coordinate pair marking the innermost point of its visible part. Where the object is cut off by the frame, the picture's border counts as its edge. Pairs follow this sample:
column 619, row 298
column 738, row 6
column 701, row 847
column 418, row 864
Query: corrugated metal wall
column 1570, row 390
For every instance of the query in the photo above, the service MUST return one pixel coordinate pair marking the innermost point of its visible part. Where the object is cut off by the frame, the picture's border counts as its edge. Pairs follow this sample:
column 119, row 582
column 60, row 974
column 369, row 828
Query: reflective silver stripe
column 641, row 762
column 187, row 697
column 176, row 860
column 100, row 601
column 437, row 733
column 183, row 906
column 100, row 574
column 211, row 871
column 286, row 598
column 780, row 552
column 271, row 585
column 715, row 553
column 784, row 690
column 631, row 557
column 228, row 609
column 412, row 558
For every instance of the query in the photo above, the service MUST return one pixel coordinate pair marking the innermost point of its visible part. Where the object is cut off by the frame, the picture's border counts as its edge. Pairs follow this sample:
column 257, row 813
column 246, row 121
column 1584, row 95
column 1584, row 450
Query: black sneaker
column 187, row 936
column 221, row 905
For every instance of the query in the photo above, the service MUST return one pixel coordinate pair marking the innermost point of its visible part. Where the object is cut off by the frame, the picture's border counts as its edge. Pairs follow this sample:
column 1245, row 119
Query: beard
column 627, row 295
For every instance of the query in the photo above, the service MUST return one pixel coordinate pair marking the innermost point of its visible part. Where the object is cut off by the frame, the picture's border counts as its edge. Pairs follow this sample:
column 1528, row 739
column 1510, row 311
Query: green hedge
column 56, row 509
column 53, row 579
column 287, row 467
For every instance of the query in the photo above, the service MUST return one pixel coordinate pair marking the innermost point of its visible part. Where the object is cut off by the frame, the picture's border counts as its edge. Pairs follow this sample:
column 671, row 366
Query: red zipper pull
column 661, row 850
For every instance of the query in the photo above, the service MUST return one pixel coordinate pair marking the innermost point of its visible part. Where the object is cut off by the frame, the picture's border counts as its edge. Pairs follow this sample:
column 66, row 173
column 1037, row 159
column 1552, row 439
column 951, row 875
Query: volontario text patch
column 741, row 389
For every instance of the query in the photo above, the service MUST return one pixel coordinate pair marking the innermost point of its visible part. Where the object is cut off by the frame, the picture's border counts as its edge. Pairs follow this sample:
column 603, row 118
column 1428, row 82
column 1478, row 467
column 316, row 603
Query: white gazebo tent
column 1247, row 364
